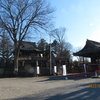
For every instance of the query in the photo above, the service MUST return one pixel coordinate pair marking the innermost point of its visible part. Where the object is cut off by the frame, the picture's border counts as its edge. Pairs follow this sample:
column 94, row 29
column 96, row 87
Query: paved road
column 48, row 88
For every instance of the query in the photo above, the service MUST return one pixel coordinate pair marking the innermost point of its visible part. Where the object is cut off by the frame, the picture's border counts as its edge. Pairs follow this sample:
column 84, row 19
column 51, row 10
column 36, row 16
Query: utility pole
column 50, row 58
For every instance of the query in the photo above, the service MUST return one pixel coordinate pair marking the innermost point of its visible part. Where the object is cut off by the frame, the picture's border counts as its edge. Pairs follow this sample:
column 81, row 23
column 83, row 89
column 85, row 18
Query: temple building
column 92, row 51
column 31, row 57
column 33, row 62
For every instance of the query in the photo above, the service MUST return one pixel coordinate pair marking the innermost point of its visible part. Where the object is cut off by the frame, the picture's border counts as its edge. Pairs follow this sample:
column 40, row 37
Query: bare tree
column 19, row 17
column 79, row 58
column 63, row 48
column 6, row 46
column 59, row 34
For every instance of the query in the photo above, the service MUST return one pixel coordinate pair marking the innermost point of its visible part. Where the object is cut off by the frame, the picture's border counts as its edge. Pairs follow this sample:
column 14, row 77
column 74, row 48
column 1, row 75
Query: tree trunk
column 16, row 56
column 16, row 65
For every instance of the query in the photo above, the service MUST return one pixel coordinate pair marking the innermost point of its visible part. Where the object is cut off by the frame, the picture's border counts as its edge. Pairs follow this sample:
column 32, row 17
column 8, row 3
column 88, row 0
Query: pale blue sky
column 80, row 17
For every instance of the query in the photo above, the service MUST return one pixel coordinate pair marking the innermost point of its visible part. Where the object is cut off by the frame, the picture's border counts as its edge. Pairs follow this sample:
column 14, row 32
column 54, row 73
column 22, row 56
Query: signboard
column 38, row 70
column 55, row 69
column 64, row 70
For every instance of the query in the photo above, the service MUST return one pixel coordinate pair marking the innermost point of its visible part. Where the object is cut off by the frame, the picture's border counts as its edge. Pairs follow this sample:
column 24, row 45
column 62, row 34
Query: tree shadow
column 55, row 78
column 78, row 92
column 83, row 94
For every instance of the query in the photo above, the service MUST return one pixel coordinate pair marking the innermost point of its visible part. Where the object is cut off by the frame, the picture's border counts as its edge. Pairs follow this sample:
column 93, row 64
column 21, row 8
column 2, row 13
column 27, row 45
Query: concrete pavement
column 48, row 88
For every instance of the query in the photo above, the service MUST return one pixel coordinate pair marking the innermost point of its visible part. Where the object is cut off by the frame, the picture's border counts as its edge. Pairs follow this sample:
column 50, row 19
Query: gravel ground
column 44, row 88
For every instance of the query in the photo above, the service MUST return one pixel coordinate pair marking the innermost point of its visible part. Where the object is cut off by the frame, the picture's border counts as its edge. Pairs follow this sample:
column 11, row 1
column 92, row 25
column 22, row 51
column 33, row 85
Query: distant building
column 91, row 50
column 29, row 57
column 32, row 63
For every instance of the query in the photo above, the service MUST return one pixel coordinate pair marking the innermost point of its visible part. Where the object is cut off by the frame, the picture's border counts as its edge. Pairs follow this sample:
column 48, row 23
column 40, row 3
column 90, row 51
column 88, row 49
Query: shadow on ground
column 69, row 93
column 68, row 77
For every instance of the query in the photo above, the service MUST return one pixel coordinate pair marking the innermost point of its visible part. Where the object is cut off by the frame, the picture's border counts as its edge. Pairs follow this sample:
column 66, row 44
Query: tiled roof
column 97, row 44
column 89, row 48
column 29, row 46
